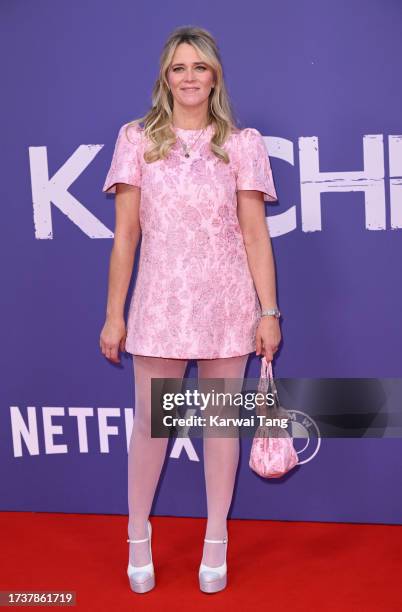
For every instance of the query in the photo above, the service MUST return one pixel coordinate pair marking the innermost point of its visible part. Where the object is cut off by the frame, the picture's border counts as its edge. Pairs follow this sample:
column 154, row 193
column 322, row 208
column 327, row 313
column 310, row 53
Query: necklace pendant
column 187, row 155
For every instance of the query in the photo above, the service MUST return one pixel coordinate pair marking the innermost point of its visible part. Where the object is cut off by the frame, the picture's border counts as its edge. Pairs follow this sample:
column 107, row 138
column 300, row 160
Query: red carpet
column 272, row 565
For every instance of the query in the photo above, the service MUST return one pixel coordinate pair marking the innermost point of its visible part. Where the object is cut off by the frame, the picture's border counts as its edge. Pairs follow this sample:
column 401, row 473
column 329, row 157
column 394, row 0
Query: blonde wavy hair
column 157, row 122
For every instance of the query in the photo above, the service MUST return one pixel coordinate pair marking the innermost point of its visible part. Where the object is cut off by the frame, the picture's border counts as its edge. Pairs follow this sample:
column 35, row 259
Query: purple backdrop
column 320, row 82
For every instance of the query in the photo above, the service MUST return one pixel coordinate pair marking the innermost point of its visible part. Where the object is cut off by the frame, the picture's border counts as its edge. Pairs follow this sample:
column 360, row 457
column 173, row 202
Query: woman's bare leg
column 146, row 455
column 221, row 458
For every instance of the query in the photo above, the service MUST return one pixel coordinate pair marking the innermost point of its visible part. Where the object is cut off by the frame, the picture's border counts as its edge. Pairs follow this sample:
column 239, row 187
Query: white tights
column 146, row 455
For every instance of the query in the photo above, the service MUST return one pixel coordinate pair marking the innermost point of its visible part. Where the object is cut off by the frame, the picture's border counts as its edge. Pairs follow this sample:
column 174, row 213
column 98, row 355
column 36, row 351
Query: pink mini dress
column 194, row 296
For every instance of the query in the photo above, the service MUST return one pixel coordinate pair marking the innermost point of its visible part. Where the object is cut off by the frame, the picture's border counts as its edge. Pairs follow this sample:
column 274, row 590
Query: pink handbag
column 272, row 452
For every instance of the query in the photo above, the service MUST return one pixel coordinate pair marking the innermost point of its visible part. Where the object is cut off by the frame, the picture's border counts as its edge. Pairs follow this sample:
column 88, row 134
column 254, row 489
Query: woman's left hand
column 268, row 337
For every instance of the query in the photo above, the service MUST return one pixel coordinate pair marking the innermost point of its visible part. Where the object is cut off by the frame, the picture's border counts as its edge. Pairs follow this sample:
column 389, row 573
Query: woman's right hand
column 113, row 338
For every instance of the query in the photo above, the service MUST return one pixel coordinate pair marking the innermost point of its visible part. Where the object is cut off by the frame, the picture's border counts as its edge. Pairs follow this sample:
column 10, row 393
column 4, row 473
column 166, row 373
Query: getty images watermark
column 307, row 407
column 197, row 399
column 218, row 407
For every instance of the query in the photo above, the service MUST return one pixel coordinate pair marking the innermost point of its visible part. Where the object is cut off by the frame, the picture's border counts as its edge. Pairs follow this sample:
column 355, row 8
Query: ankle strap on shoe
column 137, row 541
column 217, row 541
column 149, row 528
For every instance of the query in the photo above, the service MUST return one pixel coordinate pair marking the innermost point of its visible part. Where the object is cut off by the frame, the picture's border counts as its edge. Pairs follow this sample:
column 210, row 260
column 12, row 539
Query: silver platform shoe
column 142, row 577
column 213, row 579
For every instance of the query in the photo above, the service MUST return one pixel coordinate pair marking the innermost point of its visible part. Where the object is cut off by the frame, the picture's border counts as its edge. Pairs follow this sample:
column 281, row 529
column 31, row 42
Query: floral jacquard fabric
column 194, row 296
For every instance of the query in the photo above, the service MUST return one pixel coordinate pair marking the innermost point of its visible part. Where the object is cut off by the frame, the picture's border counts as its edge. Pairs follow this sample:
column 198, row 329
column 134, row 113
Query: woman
column 193, row 185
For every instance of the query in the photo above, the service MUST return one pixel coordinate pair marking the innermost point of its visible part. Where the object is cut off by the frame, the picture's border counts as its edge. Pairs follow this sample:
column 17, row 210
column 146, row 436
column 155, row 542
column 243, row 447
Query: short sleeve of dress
column 126, row 161
column 253, row 165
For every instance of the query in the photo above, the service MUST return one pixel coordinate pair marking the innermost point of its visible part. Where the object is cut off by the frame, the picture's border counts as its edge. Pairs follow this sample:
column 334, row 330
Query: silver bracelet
column 271, row 312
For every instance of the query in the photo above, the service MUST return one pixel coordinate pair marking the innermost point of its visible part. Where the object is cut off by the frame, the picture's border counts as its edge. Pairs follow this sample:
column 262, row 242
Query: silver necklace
column 185, row 146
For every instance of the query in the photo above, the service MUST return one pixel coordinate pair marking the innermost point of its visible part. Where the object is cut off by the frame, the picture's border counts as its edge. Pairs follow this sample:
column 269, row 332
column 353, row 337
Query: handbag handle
column 266, row 372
